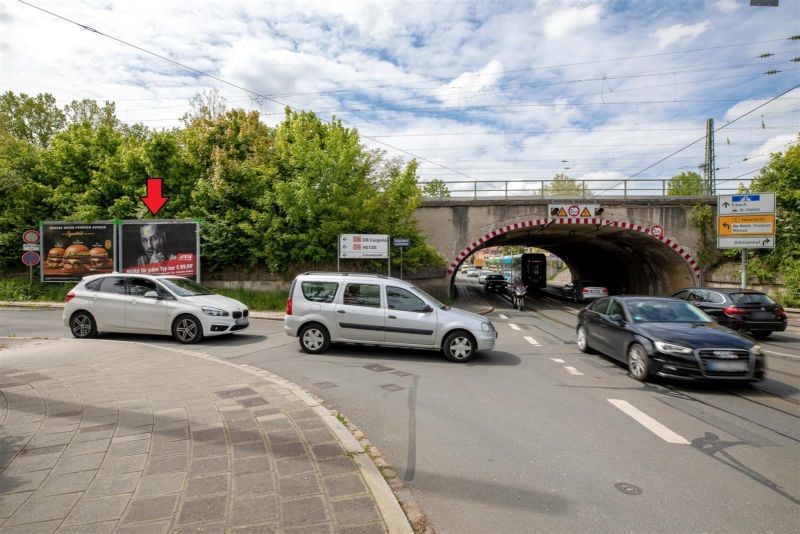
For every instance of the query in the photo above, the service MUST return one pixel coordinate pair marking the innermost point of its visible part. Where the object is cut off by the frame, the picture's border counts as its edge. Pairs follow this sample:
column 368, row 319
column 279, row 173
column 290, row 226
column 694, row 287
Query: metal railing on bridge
column 586, row 189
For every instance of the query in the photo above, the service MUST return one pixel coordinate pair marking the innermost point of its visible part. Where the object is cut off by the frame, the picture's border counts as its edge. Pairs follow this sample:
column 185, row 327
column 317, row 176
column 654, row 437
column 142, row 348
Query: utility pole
column 709, row 166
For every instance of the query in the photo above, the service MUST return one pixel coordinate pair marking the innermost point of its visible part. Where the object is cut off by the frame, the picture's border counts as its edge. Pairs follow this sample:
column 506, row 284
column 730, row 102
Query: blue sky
column 489, row 90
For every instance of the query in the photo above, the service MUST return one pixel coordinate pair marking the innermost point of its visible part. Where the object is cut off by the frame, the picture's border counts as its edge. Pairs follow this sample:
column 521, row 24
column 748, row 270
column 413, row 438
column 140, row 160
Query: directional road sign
column 364, row 246
column 746, row 225
column 746, row 204
column 401, row 242
column 745, row 242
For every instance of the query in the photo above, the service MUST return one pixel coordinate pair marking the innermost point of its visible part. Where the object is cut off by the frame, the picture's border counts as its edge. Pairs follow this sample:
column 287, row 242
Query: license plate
column 242, row 321
column 727, row 367
column 761, row 316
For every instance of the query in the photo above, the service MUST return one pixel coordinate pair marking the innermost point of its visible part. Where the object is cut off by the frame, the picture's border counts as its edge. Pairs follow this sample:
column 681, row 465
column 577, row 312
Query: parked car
column 583, row 290
column 495, row 283
column 740, row 309
column 325, row 308
column 665, row 337
column 143, row 304
column 472, row 272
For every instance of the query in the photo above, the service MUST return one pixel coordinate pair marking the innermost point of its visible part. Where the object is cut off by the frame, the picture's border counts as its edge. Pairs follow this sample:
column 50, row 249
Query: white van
column 325, row 308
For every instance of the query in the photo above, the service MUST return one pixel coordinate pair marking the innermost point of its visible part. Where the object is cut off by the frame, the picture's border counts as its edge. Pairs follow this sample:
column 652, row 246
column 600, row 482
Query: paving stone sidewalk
column 143, row 439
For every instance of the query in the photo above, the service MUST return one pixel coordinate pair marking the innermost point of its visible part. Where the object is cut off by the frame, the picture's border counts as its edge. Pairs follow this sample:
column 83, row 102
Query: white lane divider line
column 503, row 316
column 781, row 354
column 573, row 371
column 513, row 326
column 532, row 341
column 557, row 360
column 648, row 422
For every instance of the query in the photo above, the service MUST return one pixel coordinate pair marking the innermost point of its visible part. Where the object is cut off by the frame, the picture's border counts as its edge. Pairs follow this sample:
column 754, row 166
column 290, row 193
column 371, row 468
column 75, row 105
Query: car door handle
column 392, row 317
column 340, row 311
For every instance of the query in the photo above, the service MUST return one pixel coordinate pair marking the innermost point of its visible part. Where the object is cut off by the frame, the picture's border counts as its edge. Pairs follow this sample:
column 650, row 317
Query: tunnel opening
column 628, row 258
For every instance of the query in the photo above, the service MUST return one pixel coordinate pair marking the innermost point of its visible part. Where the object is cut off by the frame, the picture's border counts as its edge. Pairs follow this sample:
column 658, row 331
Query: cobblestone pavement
column 105, row 436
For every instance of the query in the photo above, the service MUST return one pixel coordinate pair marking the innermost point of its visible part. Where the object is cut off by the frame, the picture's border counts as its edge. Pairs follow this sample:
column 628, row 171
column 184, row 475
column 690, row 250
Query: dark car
column 740, row 309
column 581, row 290
column 665, row 337
column 495, row 282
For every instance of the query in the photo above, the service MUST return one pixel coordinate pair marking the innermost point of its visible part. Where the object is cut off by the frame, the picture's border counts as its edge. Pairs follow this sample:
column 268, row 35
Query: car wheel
column 638, row 362
column 187, row 329
column 762, row 334
column 583, row 341
column 82, row 325
column 458, row 347
column 314, row 339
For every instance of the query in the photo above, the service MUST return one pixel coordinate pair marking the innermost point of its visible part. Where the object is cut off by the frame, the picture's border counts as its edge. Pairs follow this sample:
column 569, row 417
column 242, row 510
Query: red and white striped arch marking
column 659, row 234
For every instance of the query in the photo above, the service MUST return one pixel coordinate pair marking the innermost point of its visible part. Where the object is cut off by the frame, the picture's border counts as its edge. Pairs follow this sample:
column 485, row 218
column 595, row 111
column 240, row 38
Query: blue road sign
column 745, row 198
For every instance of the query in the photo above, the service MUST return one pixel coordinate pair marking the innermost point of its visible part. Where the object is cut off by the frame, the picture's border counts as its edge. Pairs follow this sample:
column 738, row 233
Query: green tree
column 685, row 183
column 436, row 189
column 33, row 119
column 782, row 176
column 563, row 186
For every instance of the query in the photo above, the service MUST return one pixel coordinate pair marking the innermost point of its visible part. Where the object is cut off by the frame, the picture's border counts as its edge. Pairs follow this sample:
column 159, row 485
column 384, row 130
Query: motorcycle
column 518, row 293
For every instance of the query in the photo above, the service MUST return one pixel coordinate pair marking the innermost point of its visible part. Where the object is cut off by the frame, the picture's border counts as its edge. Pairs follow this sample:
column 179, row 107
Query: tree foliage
column 782, row 176
column 271, row 198
column 564, row 186
column 685, row 183
column 436, row 189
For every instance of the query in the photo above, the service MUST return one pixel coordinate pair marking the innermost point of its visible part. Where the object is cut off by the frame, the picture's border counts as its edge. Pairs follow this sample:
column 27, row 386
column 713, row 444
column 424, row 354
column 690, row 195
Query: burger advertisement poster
column 73, row 250
column 160, row 248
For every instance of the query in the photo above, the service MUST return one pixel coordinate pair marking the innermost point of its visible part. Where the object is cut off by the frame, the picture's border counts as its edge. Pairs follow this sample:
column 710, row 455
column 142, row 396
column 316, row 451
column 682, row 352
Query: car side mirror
column 618, row 319
column 151, row 295
column 426, row 309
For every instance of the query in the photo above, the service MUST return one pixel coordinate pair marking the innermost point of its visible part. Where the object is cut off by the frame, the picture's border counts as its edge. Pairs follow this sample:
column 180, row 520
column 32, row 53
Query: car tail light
column 733, row 310
column 585, row 290
column 780, row 313
column 70, row 296
column 604, row 291
column 289, row 306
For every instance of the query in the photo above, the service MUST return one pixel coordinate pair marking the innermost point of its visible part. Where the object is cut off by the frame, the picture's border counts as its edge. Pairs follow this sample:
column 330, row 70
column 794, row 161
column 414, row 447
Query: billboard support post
column 743, row 283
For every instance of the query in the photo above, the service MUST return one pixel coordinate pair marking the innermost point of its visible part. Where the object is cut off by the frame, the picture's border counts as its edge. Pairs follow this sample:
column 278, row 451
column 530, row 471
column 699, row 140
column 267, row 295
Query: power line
column 703, row 137
column 222, row 80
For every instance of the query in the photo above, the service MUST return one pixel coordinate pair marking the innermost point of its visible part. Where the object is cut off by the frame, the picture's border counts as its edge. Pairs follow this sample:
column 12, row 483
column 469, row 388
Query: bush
column 19, row 289
column 257, row 300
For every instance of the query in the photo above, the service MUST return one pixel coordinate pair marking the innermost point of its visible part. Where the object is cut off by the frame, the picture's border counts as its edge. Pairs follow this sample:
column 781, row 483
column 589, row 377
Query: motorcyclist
column 518, row 292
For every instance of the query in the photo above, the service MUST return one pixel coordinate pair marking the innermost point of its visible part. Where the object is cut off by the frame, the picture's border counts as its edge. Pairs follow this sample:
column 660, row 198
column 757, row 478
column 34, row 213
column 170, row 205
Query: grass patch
column 18, row 289
column 257, row 300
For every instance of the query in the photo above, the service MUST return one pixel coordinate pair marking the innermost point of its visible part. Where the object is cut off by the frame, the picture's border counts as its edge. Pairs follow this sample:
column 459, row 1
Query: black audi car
column 495, row 282
column 665, row 337
column 740, row 309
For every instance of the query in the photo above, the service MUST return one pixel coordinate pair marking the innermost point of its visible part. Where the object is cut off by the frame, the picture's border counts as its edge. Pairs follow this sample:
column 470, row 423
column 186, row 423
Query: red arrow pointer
column 153, row 199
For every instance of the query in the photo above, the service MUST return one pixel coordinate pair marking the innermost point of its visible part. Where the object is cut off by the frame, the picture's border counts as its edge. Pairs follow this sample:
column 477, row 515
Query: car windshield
column 665, row 311
column 495, row 277
column 751, row 298
column 183, row 287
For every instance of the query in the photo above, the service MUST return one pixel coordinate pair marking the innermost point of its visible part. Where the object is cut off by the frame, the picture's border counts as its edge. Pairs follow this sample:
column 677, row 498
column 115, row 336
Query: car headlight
column 756, row 350
column 214, row 312
column 487, row 327
column 669, row 348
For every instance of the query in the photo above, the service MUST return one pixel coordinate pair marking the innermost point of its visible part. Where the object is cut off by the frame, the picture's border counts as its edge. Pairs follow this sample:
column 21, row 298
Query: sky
column 506, row 93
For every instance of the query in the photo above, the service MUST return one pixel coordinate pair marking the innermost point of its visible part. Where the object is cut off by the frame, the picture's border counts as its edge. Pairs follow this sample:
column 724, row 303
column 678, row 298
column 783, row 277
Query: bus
column 530, row 267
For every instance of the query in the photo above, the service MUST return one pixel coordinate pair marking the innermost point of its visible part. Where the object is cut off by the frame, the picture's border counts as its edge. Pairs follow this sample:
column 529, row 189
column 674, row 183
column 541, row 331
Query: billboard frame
column 43, row 258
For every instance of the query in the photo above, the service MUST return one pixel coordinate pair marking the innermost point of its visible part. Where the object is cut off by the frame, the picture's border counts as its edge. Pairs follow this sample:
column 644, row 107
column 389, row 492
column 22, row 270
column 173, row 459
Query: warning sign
column 573, row 210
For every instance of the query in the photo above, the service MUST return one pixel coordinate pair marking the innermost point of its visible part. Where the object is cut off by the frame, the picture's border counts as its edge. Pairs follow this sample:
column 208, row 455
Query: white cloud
column 570, row 19
column 728, row 6
column 465, row 87
column 681, row 32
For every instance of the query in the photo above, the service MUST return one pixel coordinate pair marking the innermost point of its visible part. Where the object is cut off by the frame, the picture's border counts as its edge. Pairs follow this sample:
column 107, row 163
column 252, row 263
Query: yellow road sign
column 744, row 225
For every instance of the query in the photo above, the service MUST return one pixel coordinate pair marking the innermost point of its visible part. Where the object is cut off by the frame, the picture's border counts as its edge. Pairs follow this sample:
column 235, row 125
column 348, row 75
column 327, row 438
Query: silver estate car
column 325, row 308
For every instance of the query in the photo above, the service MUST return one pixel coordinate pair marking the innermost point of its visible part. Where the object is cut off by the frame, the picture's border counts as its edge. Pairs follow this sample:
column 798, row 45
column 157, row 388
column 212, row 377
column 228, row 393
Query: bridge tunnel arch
column 627, row 257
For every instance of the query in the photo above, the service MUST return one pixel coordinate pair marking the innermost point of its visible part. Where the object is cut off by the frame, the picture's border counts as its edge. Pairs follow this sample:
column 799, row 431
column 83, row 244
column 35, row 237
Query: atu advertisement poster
column 160, row 248
column 72, row 250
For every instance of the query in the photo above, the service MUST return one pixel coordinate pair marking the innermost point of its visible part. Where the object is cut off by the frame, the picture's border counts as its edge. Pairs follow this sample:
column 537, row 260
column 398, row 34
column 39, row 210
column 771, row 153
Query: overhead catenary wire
column 222, row 80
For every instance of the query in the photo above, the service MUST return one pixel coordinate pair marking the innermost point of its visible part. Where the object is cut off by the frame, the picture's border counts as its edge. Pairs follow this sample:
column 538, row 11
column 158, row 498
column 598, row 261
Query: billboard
column 72, row 250
column 160, row 247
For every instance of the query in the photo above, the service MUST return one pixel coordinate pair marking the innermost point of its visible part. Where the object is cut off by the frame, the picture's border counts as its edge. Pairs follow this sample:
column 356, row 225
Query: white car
column 377, row 310
column 482, row 276
column 143, row 304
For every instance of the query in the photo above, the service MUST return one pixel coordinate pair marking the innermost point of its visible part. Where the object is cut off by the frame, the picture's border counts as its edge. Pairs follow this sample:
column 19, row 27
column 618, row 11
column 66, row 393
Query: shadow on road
column 488, row 358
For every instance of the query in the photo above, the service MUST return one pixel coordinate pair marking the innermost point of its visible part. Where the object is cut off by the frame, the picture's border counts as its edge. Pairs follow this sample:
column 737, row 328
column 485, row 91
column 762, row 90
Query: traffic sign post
column 746, row 221
column 401, row 242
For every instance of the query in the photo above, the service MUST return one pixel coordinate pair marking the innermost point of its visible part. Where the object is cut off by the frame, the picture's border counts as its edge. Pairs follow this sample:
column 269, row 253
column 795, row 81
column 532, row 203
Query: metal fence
column 580, row 189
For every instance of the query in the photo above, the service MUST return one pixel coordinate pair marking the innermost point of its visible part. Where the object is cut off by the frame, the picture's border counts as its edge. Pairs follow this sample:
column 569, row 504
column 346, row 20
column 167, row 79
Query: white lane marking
column 513, row 326
column 781, row 354
column 503, row 316
column 532, row 341
column 557, row 360
column 573, row 371
column 648, row 422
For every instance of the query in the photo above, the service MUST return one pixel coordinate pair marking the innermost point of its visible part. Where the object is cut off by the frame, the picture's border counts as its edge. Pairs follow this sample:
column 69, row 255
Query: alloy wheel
column 186, row 330
column 81, row 325
column 313, row 339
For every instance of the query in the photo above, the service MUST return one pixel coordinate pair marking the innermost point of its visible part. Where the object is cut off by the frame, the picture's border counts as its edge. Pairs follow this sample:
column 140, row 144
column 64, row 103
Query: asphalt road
column 537, row 437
